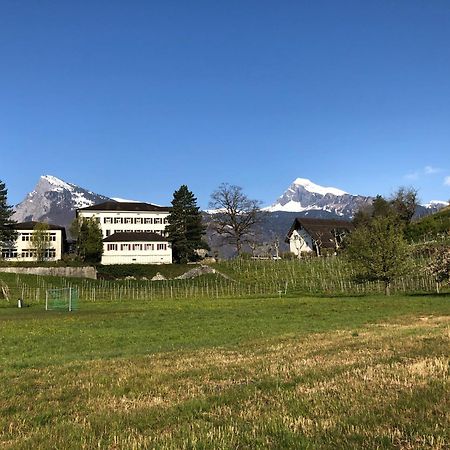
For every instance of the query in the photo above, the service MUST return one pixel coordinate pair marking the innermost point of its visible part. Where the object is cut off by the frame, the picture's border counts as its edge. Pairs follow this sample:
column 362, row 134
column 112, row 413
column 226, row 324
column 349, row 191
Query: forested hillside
column 435, row 226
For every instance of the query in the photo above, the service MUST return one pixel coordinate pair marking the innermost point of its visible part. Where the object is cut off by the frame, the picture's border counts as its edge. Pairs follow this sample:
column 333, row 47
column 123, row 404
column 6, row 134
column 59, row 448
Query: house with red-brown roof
column 308, row 235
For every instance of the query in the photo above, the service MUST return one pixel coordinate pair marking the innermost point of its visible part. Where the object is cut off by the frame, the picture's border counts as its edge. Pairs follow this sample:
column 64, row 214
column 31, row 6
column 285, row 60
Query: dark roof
column 32, row 224
column 135, row 236
column 125, row 206
column 321, row 230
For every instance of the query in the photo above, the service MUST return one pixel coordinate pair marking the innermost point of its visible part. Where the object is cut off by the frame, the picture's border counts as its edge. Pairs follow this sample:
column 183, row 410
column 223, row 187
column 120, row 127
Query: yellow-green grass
column 362, row 372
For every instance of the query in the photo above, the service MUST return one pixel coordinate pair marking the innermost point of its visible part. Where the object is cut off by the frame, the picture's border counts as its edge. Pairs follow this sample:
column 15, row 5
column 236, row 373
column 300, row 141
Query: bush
column 117, row 271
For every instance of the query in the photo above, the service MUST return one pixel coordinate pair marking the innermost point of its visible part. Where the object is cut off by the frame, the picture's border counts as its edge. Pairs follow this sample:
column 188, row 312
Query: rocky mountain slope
column 55, row 201
column 304, row 195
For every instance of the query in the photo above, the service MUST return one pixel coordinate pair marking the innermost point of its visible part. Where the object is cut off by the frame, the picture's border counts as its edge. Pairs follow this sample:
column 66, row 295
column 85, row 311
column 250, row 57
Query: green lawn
column 360, row 372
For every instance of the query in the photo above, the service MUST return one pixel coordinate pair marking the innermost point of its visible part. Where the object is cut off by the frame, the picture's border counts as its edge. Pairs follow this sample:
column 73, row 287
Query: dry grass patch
column 380, row 386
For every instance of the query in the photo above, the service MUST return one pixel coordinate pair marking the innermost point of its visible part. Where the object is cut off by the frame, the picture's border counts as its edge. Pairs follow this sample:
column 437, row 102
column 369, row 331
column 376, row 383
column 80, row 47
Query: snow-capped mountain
column 55, row 201
column 436, row 204
column 303, row 195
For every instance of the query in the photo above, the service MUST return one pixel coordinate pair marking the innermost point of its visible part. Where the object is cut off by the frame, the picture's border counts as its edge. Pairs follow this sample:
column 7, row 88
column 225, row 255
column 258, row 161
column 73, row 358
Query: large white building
column 133, row 233
column 24, row 248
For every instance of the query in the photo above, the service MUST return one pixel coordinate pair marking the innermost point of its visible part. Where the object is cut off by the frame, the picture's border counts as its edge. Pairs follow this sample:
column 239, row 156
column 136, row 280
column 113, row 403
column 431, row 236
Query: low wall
column 78, row 272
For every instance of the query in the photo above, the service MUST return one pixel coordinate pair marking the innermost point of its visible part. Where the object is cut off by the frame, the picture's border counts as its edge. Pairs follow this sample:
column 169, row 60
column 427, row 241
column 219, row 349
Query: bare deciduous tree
column 405, row 201
column 40, row 240
column 235, row 215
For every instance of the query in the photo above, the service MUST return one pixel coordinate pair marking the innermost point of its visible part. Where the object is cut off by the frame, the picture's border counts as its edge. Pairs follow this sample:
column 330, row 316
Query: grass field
column 298, row 372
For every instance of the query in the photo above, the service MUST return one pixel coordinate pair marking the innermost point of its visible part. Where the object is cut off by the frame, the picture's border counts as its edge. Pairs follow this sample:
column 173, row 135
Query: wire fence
column 323, row 276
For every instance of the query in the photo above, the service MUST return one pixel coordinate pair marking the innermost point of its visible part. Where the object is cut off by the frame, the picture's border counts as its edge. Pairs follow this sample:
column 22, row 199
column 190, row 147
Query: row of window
column 31, row 253
column 136, row 220
column 160, row 232
column 135, row 247
column 46, row 238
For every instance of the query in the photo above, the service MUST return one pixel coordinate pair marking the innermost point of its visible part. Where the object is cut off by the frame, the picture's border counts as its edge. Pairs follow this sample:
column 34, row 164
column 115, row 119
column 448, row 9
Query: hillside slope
column 435, row 226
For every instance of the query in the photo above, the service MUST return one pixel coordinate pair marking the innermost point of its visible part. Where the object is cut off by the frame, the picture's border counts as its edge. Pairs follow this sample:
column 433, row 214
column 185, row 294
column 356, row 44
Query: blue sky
column 134, row 98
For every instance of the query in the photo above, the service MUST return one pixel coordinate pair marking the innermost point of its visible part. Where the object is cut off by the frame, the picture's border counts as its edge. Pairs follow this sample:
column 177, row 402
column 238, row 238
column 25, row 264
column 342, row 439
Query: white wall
column 133, row 256
column 24, row 246
column 111, row 221
column 300, row 241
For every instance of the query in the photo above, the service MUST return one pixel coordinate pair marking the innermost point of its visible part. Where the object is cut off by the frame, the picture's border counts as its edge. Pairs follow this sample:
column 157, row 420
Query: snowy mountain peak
column 303, row 195
column 55, row 201
column 317, row 189
column 437, row 204
column 57, row 183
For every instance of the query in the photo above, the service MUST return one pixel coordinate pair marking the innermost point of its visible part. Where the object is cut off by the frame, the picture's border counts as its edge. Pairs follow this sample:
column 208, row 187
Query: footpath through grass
column 361, row 372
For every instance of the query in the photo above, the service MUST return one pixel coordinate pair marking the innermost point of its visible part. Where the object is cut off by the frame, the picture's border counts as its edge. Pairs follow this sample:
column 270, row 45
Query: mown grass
column 361, row 372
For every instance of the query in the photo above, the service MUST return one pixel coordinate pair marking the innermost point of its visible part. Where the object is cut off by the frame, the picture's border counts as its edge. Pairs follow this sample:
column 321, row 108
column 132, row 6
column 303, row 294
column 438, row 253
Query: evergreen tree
column 185, row 229
column 8, row 233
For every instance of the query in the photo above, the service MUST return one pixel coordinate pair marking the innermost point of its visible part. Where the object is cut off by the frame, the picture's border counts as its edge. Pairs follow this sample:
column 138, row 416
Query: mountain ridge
column 304, row 195
column 55, row 201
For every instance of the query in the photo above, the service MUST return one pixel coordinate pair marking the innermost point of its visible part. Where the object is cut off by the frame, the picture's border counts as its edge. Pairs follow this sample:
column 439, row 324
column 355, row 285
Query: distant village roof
column 135, row 236
column 125, row 206
column 321, row 230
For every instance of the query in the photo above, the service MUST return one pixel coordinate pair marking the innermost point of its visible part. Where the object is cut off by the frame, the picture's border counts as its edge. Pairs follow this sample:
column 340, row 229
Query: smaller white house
column 136, row 248
column 308, row 235
column 24, row 248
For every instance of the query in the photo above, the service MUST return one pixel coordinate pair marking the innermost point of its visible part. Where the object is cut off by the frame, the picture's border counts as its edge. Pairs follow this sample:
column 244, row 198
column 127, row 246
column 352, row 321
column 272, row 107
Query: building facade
column 314, row 235
column 133, row 233
column 26, row 248
column 136, row 248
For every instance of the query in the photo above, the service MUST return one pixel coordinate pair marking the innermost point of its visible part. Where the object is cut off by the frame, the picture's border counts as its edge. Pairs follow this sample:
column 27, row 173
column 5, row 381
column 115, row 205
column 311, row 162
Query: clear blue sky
column 134, row 98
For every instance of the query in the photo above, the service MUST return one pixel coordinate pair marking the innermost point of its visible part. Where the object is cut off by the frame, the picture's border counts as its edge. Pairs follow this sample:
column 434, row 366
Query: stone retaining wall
column 78, row 272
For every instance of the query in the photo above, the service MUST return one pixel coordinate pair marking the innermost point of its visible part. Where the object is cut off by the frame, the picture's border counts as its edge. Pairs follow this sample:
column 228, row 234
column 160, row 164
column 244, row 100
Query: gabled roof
column 135, row 236
column 125, row 206
column 321, row 230
column 30, row 225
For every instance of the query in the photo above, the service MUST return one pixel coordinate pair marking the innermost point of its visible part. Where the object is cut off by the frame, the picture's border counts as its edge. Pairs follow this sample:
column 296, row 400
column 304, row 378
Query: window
column 149, row 247
column 111, row 247
column 50, row 253
column 9, row 253
column 161, row 246
column 108, row 220
column 137, row 246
